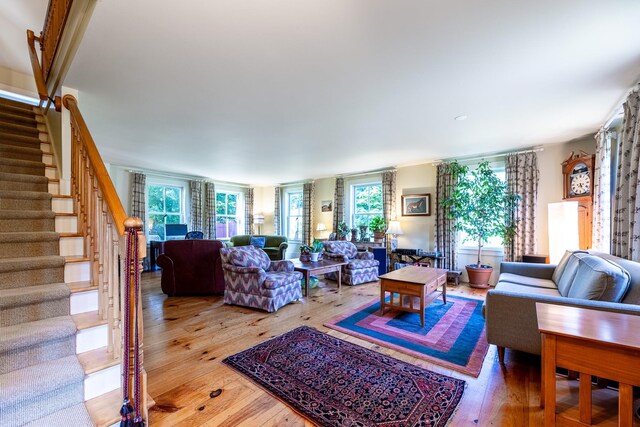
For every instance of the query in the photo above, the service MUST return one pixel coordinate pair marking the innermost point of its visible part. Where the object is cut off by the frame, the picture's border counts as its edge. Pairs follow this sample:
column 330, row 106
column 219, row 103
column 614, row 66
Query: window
column 366, row 202
column 293, row 215
column 164, row 206
column 494, row 242
column 227, row 214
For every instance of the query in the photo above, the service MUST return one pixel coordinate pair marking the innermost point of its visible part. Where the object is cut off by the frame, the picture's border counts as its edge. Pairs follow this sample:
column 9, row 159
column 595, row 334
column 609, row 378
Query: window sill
column 468, row 250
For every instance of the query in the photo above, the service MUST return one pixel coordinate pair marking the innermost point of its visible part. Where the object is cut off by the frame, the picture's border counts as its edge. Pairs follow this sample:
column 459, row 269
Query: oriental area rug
column 453, row 335
column 332, row 382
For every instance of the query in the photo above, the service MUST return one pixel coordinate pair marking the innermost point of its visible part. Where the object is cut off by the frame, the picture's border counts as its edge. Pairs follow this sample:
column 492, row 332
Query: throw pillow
column 599, row 279
column 258, row 242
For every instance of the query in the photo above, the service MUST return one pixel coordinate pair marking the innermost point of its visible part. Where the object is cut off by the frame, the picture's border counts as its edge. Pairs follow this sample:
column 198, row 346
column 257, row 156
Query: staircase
column 53, row 355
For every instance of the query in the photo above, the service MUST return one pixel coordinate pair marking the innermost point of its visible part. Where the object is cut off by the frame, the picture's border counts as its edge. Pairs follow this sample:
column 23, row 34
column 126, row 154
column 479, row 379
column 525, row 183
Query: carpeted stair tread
column 16, row 111
column 26, row 215
column 26, row 195
column 19, row 140
column 29, row 164
column 20, row 177
column 24, row 237
column 32, row 303
column 31, row 334
column 30, row 263
column 31, row 382
column 6, row 102
column 22, row 153
column 18, row 129
column 76, row 415
column 21, row 118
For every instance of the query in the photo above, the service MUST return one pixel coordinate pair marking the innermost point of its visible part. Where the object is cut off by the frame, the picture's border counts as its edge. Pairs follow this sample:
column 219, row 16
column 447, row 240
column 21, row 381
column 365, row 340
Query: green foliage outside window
column 367, row 203
column 164, row 204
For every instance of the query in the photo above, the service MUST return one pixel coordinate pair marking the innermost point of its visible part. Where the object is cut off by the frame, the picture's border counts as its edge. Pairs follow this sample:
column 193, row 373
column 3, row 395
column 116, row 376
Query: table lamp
column 259, row 220
column 321, row 228
column 394, row 229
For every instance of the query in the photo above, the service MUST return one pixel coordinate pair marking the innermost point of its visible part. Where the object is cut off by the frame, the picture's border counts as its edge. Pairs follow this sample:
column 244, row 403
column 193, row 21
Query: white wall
column 418, row 230
column 17, row 82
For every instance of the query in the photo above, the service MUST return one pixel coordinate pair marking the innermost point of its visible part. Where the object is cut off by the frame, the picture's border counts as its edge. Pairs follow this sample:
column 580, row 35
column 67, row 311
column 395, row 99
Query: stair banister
column 35, row 66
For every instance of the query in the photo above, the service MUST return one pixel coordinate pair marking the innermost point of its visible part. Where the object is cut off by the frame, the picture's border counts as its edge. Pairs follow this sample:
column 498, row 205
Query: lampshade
column 394, row 228
column 563, row 229
column 321, row 227
column 258, row 219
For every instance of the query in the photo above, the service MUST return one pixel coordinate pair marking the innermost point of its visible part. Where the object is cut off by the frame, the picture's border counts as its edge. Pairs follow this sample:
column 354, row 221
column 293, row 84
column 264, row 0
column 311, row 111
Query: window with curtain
column 227, row 211
column 365, row 203
column 293, row 202
column 494, row 242
column 165, row 205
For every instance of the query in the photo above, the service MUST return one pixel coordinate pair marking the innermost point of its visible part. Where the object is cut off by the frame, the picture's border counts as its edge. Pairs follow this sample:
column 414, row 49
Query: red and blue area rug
column 453, row 335
column 332, row 382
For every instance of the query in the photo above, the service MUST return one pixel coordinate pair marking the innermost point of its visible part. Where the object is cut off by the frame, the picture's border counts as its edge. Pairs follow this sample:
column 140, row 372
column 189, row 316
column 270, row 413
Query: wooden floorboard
column 186, row 339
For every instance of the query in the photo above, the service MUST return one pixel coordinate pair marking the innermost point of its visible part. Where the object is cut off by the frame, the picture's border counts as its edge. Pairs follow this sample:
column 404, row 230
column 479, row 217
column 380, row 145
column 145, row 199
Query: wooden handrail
column 35, row 65
column 109, row 193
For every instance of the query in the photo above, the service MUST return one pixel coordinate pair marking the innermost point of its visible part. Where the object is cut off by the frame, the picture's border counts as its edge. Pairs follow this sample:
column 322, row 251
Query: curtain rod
column 351, row 175
column 179, row 176
column 489, row 156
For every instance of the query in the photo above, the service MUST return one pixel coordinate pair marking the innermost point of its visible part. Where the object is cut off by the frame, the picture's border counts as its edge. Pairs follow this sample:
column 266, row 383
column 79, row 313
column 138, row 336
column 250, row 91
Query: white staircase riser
column 66, row 224
column 62, row 205
column 76, row 272
column 46, row 148
column 47, row 158
column 54, row 187
column 70, row 246
column 101, row 382
column 50, row 172
column 92, row 338
column 84, row 302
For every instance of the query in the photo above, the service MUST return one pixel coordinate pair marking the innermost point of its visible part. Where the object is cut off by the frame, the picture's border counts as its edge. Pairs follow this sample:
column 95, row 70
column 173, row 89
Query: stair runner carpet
column 41, row 380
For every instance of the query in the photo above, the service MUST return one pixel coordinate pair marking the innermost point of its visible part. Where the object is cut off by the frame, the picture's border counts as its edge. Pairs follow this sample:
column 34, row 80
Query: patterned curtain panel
column 445, row 235
column 338, row 204
column 138, row 201
column 626, row 220
column 522, row 178
column 601, row 237
column 196, row 205
column 209, row 211
column 389, row 200
column 276, row 213
column 248, row 211
column 307, row 213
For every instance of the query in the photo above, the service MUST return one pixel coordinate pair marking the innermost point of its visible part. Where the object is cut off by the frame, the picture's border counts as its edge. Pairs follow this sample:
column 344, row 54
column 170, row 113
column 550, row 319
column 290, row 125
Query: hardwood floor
column 186, row 339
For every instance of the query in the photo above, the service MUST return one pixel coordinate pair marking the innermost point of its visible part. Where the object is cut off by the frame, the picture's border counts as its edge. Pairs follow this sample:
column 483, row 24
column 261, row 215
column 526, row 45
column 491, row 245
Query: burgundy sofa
column 191, row 267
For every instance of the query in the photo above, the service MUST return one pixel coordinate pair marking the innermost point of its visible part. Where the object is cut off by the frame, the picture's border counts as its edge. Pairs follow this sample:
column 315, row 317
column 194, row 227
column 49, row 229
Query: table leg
column 625, row 405
column 339, row 278
column 307, row 277
column 549, row 373
column 382, row 297
column 584, row 402
column 444, row 291
column 422, row 297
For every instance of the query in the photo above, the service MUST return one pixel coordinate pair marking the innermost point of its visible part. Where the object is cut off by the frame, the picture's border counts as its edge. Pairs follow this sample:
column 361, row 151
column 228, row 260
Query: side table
column 594, row 343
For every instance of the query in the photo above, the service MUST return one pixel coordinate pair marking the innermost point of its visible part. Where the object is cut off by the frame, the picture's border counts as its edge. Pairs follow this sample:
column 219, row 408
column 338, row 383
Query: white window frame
column 471, row 247
column 352, row 203
column 286, row 217
column 239, row 211
column 166, row 184
column 350, row 184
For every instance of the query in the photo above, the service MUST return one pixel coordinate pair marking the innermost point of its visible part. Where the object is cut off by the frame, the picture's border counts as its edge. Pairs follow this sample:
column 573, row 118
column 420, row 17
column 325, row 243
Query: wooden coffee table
column 408, row 283
column 595, row 343
column 319, row 267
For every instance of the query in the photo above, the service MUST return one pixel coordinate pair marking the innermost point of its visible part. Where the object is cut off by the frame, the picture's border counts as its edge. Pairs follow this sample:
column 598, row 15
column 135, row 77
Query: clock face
column 579, row 181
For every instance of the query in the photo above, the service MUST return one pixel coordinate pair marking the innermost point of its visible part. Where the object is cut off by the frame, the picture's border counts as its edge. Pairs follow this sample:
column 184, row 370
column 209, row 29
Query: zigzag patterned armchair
column 361, row 267
column 253, row 280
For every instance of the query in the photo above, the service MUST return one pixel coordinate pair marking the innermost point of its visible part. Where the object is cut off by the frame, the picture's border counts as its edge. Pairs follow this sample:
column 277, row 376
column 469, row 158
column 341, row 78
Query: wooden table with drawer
column 595, row 343
column 411, row 282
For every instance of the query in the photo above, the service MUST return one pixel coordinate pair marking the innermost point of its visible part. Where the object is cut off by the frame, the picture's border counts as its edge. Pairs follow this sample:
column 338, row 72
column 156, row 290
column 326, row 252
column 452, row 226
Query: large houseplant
column 378, row 226
column 481, row 206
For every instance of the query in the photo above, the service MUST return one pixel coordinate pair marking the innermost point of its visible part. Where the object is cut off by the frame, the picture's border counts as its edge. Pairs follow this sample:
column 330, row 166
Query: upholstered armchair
column 252, row 280
column 274, row 246
column 360, row 268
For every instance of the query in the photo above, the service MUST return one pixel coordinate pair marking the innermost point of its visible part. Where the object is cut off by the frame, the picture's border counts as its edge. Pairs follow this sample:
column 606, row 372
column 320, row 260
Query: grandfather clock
column 577, row 172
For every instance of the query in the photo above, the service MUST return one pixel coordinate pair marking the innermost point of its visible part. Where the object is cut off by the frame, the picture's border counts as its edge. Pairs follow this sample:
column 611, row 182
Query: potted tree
column 482, row 207
column 378, row 226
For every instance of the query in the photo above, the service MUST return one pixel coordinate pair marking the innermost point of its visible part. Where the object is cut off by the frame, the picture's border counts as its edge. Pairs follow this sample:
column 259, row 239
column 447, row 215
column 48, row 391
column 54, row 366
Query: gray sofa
column 590, row 280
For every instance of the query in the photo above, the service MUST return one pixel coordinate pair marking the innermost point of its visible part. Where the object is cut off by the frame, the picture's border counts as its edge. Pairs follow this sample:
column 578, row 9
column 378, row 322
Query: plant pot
column 305, row 257
column 378, row 236
column 354, row 234
column 314, row 256
column 479, row 275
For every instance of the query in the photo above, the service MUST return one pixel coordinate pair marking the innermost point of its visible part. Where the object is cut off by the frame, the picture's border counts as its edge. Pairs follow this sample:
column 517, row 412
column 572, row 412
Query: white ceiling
column 274, row 91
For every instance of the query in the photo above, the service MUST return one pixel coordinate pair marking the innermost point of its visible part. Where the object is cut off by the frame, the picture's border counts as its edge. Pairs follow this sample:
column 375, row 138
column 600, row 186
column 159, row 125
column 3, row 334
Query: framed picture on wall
column 416, row 204
column 326, row 206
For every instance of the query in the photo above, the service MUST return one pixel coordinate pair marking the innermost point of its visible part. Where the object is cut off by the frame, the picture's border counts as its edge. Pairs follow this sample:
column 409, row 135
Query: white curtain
column 601, row 237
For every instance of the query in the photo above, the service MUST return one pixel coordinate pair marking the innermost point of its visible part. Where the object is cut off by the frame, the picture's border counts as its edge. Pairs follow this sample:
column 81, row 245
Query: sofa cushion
column 258, row 242
column 527, row 281
column 526, row 289
column 599, row 279
column 562, row 265
column 569, row 272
